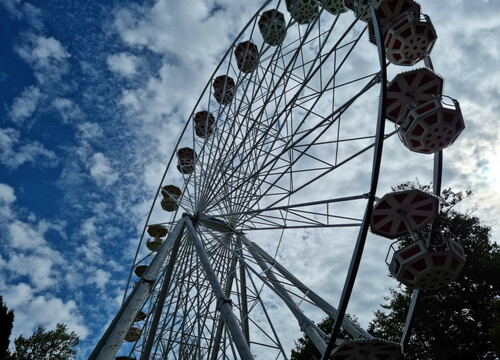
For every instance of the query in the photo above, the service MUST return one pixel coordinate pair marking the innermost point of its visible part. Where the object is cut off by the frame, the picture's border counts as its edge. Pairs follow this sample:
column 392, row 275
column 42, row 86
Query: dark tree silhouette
column 7, row 322
column 459, row 321
column 47, row 345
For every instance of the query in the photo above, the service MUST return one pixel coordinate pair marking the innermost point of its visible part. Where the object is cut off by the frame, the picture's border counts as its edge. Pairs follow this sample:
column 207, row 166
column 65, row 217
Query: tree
column 462, row 320
column 7, row 321
column 495, row 329
column 47, row 345
column 304, row 347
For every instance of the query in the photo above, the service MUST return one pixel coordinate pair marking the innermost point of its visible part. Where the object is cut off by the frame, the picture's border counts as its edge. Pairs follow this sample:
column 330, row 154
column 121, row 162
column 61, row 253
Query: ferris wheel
column 285, row 140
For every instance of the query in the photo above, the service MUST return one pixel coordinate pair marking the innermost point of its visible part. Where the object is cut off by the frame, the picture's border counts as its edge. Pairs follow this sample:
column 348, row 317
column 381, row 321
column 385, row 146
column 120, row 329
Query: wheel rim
column 251, row 174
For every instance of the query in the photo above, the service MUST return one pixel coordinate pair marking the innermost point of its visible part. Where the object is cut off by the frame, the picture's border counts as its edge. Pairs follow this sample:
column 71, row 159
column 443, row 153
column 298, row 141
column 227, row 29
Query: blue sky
column 61, row 141
column 92, row 95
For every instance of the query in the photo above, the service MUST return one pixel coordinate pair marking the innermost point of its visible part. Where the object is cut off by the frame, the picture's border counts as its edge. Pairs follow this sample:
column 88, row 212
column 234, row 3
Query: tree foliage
column 462, row 320
column 6, row 324
column 57, row 344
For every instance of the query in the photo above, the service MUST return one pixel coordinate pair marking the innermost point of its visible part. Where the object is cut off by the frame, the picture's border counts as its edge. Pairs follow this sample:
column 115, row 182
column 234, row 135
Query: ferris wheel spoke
column 309, row 144
column 301, row 205
column 296, row 97
column 175, row 338
column 162, row 295
column 224, row 306
column 298, row 188
column 293, row 60
column 271, row 334
column 290, row 126
column 351, row 327
column 230, row 153
column 223, row 159
column 289, row 167
column 255, row 298
column 253, row 22
column 258, row 86
column 366, row 88
column 190, row 303
column 171, row 312
column 272, row 285
column 229, row 114
column 282, row 227
column 314, row 333
column 217, row 151
column 191, row 324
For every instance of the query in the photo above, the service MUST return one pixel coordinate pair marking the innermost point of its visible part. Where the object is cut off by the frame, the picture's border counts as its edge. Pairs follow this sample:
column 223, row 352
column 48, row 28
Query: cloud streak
column 118, row 91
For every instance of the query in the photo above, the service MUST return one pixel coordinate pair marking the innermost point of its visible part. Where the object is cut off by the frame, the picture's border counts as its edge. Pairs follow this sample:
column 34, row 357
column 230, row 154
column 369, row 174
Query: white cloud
column 32, row 268
column 19, row 10
column 91, row 249
column 130, row 100
column 101, row 170
column 25, row 105
column 123, row 64
column 180, row 28
column 11, row 7
column 45, row 49
column 7, row 195
column 32, row 310
column 23, row 237
column 90, row 130
column 471, row 163
column 38, row 269
column 46, row 55
column 33, row 272
column 31, row 255
column 33, row 15
column 100, row 278
column 15, row 152
column 151, row 177
column 68, row 109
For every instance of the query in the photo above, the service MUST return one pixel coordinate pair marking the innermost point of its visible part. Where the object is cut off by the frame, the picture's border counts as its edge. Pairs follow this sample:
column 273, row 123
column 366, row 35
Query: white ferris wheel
column 288, row 135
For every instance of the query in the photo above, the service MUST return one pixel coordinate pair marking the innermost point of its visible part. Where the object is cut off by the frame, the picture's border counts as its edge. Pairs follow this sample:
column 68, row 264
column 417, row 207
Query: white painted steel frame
column 232, row 199
column 109, row 344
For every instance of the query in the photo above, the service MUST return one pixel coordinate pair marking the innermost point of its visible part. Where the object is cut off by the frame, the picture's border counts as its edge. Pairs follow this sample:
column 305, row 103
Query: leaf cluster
column 57, row 344
column 6, row 321
column 462, row 320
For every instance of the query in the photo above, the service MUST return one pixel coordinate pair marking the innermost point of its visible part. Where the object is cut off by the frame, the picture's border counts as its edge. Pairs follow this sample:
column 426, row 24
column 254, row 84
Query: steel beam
column 377, row 157
column 161, row 299
column 220, row 325
column 436, row 189
column 350, row 326
column 243, row 296
column 224, row 303
column 317, row 336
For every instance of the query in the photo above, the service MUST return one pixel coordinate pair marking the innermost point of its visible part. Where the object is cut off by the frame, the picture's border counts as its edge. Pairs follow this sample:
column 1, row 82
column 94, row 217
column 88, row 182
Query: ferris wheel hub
column 216, row 224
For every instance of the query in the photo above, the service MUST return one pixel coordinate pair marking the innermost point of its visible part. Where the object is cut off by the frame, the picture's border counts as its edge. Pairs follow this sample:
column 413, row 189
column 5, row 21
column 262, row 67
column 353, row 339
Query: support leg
column 317, row 336
column 161, row 300
column 349, row 326
column 224, row 304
